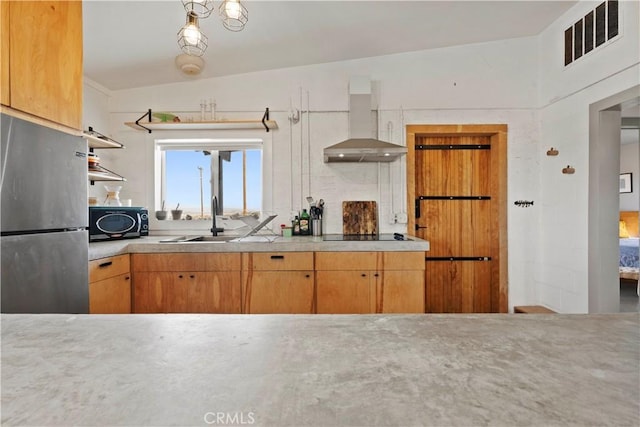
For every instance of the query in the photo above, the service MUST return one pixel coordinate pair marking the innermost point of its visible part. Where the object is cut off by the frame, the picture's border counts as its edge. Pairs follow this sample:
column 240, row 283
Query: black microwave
column 117, row 222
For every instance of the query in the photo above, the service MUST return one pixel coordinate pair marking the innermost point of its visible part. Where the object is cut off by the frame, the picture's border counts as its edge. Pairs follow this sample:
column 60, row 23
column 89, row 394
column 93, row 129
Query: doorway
column 457, row 191
column 604, row 170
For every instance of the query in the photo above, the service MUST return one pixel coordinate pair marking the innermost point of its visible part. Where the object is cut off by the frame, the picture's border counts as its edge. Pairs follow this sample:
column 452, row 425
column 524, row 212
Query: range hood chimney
column 362, row 146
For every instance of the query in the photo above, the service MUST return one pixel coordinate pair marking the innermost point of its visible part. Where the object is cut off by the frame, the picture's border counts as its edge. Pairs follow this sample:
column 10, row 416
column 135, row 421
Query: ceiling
column 131, row 44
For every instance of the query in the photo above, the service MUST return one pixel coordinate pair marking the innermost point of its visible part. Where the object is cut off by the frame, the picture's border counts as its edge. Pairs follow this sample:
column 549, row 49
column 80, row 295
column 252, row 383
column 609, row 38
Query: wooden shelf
column 98, row 173
column 216, row 125
column 98, row 140
column 150, row 125
column 95, row 142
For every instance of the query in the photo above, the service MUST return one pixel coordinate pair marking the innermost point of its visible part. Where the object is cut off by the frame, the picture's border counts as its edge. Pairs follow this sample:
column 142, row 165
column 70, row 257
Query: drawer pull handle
column 105, row 264
column 192, row 276
column 127, row 278
column 376, row 275
column 364, row 275
column 180, row 276
column 277, row 256
column 307, row 275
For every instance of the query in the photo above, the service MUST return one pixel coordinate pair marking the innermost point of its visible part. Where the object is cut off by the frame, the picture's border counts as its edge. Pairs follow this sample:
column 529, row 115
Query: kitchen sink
column 209, row 239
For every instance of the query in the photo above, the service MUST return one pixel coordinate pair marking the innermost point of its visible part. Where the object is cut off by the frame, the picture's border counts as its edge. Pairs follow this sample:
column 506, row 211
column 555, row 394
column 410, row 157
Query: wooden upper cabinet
column 5, row 94
column 45, row 59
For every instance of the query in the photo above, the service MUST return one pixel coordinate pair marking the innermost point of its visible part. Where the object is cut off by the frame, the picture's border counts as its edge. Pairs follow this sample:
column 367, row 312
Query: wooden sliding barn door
column 458, row 206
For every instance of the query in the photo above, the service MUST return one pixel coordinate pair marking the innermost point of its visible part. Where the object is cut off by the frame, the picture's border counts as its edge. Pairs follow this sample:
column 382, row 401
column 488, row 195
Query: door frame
column 497, row 134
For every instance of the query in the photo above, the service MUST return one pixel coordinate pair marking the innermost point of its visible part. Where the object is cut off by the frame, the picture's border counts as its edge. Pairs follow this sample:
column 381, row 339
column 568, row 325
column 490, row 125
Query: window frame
column 231, row 141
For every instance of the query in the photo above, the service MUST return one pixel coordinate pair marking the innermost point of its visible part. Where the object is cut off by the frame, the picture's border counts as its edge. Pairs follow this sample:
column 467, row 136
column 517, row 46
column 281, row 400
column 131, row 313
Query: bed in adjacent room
column 629, row 246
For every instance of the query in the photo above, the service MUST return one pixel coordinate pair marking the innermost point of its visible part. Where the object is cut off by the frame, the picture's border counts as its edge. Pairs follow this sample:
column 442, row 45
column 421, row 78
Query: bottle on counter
column 295, row 224
column 305, row 226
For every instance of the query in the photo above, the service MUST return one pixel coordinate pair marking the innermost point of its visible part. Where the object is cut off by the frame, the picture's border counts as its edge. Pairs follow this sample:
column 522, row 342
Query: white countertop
column 260, row 243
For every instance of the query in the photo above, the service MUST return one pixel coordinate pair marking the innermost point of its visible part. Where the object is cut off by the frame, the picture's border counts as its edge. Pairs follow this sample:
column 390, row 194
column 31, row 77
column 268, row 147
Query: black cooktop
column 364, row 237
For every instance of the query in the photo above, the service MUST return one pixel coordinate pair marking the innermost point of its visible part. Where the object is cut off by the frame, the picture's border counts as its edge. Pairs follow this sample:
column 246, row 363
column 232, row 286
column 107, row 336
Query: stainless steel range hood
column 362, row 146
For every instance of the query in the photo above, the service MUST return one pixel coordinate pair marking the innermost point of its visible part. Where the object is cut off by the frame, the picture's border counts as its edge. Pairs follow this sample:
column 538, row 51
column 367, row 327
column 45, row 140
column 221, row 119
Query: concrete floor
column 280, row 370
column 629, row 300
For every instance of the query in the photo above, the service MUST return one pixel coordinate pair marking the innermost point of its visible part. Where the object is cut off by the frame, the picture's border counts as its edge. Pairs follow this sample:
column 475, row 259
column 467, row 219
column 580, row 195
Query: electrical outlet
column 401, row 218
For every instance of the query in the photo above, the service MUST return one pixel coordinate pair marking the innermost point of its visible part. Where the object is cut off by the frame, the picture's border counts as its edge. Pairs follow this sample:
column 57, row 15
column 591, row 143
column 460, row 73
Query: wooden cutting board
column 359, row 217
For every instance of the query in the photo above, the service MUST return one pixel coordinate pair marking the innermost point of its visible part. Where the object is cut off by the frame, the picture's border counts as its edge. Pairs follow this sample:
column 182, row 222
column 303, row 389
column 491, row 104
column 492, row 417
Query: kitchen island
column 324, row 370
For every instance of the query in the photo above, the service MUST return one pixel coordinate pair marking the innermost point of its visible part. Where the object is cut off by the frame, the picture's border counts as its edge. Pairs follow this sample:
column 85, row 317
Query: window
column 191, row 172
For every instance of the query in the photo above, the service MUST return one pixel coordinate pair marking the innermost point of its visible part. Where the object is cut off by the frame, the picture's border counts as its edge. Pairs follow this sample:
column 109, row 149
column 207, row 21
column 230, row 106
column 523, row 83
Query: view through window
column 190, row 177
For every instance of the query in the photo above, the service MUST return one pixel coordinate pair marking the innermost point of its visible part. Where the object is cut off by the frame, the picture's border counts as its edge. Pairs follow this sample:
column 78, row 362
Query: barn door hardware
column 454, row 147
column 454, row 198
column 419, row 198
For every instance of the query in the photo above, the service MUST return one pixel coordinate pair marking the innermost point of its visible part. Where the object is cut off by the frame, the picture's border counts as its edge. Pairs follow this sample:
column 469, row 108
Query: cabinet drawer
column 223, row 261
column 276, row 261
column 403, row 260
column 346, row 261
column 168, row 262
column 104, row 268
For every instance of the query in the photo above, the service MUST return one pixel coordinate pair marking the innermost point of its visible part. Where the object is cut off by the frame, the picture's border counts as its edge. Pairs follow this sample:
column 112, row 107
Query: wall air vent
column 592, row 31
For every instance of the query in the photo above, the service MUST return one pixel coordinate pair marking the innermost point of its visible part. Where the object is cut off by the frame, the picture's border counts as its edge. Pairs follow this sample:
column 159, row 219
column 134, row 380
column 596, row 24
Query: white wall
column 562, row 277
column 482, row 83
column 95, row 106
column 630, row 162
column 520, row 82
column 95, row 114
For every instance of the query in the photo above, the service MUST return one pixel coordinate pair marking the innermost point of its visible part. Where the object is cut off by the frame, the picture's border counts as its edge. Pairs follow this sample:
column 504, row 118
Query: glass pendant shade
column 190, row 38
column 234, row 15
column 202, row 8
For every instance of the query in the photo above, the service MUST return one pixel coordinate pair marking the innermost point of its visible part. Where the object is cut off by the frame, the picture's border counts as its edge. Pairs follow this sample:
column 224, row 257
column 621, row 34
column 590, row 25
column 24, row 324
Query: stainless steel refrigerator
column 44, row 218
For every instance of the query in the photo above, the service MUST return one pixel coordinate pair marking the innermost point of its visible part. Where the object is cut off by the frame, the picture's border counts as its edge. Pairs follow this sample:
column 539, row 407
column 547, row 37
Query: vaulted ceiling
column 131, row 44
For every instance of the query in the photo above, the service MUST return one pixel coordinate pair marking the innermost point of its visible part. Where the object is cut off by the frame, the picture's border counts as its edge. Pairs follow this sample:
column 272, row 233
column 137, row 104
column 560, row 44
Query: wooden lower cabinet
column 402, row 288
column 110, row 285
column 401, row 292
column 370, row 282
column 196, row 283
column 268, row 292
column 187, row 292
column 278, row 282
column 346, row 292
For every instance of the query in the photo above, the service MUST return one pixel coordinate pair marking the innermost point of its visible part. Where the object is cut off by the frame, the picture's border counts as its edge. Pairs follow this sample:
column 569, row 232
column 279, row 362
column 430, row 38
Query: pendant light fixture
column 234, row 15
column 202, row 8
column 190, row 38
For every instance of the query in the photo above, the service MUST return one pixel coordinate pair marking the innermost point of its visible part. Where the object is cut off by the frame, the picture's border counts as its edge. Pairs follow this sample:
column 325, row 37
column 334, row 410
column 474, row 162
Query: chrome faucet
column 214, row 210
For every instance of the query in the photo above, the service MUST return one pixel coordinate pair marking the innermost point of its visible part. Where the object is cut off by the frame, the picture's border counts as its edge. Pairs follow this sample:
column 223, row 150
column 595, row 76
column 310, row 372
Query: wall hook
column 294, row 115
column 523, row 203
column 569, row 170
column 552, row 152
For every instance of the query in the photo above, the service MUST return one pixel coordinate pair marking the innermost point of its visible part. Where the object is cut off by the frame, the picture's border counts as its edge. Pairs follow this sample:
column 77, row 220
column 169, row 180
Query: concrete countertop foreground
column 287, row 370
column 259, row 243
